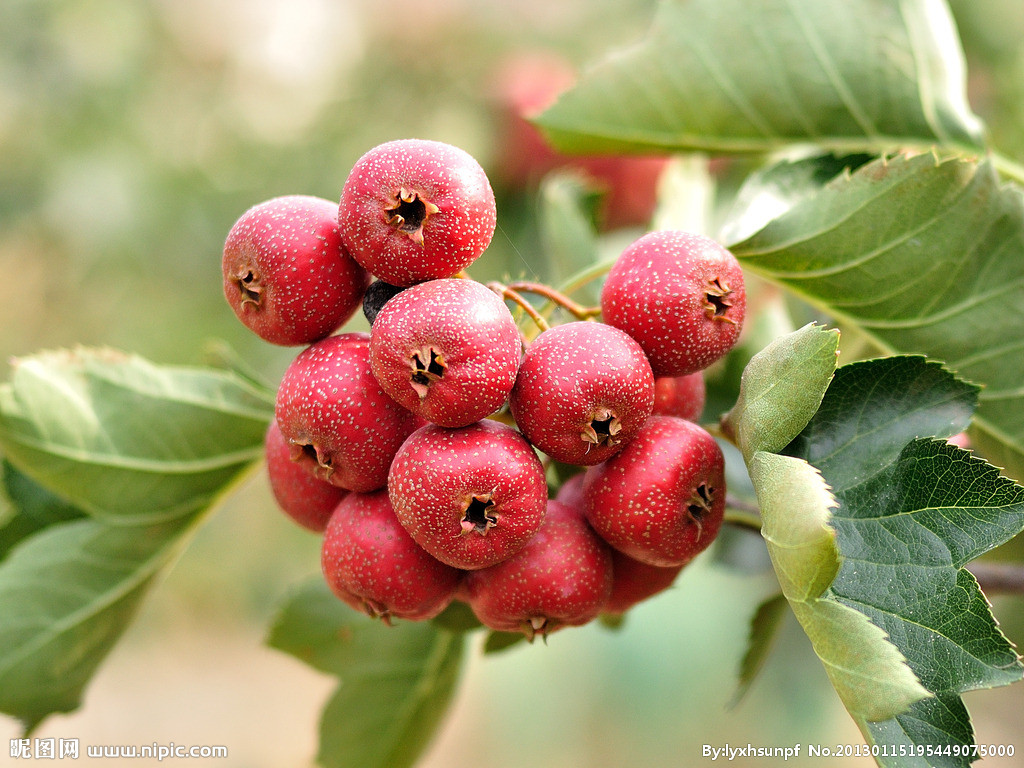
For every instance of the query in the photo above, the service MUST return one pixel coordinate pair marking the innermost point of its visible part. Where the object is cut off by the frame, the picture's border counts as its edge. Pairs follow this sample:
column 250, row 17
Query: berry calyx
column 681, row 296
column 583, row 391
column 472, row 496
column 414, row 210
column 373, row 565
column 447, row 350
column 662, row 499
column 286, row 274
column 305, row 498
column 336, row 418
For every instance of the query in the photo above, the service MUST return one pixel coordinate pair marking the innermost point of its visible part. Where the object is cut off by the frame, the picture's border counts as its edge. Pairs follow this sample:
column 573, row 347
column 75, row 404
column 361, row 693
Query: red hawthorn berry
column 300, row 494
column 336, row 418
column 561, row 578
column 447, row 350
column 681, row 396
column 287, row 275
column 471, row 496
column 372, row 564
column 634, row 581
column 662, row 499
column 583, row 391
column 414, row 210
column 681, row 296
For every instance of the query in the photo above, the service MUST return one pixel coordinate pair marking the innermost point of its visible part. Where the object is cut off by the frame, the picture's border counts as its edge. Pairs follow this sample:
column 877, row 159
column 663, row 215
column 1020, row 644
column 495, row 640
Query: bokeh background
column 133, row 134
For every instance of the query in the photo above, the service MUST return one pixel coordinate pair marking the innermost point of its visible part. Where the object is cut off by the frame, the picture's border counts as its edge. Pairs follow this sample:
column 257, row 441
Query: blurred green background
column 133, row 134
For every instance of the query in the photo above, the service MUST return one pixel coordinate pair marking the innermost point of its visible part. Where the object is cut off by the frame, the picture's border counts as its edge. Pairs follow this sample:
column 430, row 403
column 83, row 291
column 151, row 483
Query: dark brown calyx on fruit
column 699, row 505
column 716, row 300
column 409, row 213
column 318, row 462
column 428, row 366
column 479, row 516
column 603, row 428
column 249, row 287
column 376, row 610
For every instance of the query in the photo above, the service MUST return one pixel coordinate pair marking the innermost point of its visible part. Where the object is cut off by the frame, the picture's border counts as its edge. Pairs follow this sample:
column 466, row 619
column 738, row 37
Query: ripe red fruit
column 415, row 210
column 681, row 396
column 562, row 577
column 336, row 418
column 471, row 497
column 662, row 499
column 571, row 492
column 680, row 295
column 634, row 581
column 301, row 495
column 372, row 564
column 447, row 350
column 287, row 275
column 583, row 391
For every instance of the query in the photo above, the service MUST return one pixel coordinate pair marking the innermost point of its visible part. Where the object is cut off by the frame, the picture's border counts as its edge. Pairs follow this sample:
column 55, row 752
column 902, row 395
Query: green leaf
column 911, row 512
column 743, row 76
column 763, row 628
column 31, row 507
column 396, row 682
column 781, row 388
column 66, row 595
column 868, row 672
column 925, row 256
column 126, row 440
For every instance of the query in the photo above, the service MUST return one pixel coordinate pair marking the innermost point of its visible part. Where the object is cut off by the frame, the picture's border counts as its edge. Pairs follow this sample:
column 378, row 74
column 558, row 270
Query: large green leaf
column 911, row 512
column 756, row 75
column 112, row 461
column 396, row 682
column 925, row 256
column 66, row 595
column 126, row 440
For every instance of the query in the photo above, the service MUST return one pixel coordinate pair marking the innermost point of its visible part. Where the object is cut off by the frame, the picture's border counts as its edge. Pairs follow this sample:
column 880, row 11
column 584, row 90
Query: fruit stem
column 510, row 293
column 557, row 297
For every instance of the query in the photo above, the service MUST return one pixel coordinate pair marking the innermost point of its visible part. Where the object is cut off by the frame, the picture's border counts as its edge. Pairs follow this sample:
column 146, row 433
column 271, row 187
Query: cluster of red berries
column 414, row 448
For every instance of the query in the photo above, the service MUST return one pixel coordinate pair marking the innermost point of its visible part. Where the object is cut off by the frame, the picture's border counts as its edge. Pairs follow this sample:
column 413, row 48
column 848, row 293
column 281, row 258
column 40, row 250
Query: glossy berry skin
column 681, row 296
column 447, row 350
column 287, row 275
column 662, row 499
column 373, row 565
column 634, row 581
column 300, row 494
column 414, row 210
column 583, row 391
column 338, row 421
column 681, row 396
column 571, row 492
column 562, row 577
column 472, row 496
